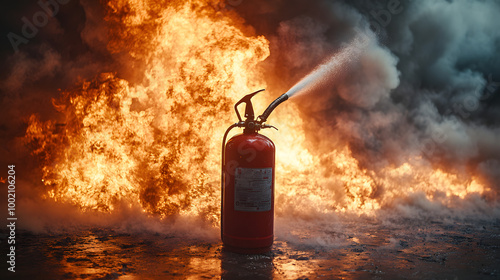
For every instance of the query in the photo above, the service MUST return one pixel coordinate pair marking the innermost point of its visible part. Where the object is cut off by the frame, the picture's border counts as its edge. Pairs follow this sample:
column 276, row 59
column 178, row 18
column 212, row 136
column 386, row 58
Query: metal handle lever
column 249, row 113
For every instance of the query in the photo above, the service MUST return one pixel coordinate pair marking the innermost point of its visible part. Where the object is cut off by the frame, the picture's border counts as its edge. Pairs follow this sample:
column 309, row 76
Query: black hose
column 222, row 179
column 272, row 106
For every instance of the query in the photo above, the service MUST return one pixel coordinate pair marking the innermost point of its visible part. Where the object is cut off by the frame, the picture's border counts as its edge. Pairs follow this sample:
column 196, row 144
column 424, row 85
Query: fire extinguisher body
column 248, row 194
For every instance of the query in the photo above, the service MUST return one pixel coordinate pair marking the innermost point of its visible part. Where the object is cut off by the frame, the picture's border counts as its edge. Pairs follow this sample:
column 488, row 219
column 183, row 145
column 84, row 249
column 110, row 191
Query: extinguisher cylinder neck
column 251, row 127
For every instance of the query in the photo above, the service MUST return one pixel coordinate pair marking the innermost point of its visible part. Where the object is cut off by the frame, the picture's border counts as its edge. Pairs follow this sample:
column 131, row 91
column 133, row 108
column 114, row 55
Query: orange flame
column 157, row 141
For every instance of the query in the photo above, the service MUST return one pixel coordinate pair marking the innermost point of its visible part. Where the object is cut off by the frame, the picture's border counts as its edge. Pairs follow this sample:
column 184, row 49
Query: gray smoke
column 427, row 85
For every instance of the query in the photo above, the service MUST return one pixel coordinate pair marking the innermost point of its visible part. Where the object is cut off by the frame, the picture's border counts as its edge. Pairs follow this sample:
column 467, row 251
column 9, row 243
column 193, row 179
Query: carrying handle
column 249, row 113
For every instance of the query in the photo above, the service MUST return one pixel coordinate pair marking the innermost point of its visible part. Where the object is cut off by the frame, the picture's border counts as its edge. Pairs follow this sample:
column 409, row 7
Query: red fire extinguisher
column 248, row 166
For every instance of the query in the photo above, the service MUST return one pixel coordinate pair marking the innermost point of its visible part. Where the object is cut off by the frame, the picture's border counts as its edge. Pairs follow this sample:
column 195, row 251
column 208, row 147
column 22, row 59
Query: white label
column 253, row 189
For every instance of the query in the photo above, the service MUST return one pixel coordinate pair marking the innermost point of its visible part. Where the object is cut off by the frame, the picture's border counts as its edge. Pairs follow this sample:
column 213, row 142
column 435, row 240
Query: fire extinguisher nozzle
column 272, row 106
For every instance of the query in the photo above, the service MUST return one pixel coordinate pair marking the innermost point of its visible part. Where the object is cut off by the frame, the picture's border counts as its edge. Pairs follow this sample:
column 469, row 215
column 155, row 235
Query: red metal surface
column 247, row 232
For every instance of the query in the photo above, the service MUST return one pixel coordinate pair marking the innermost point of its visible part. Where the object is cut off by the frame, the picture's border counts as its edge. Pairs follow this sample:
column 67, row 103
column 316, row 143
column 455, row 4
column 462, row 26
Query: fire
column 156, row 142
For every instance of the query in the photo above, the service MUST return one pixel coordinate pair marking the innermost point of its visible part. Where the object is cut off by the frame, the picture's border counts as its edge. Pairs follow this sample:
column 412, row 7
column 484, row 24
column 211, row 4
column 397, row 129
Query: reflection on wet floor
column 373, row 251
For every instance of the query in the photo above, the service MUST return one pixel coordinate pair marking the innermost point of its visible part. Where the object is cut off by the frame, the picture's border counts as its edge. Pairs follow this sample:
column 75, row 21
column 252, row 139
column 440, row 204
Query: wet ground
column 362, row 250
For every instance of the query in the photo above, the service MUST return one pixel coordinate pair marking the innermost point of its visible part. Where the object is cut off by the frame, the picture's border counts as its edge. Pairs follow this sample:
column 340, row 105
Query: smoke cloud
column 426, row 84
